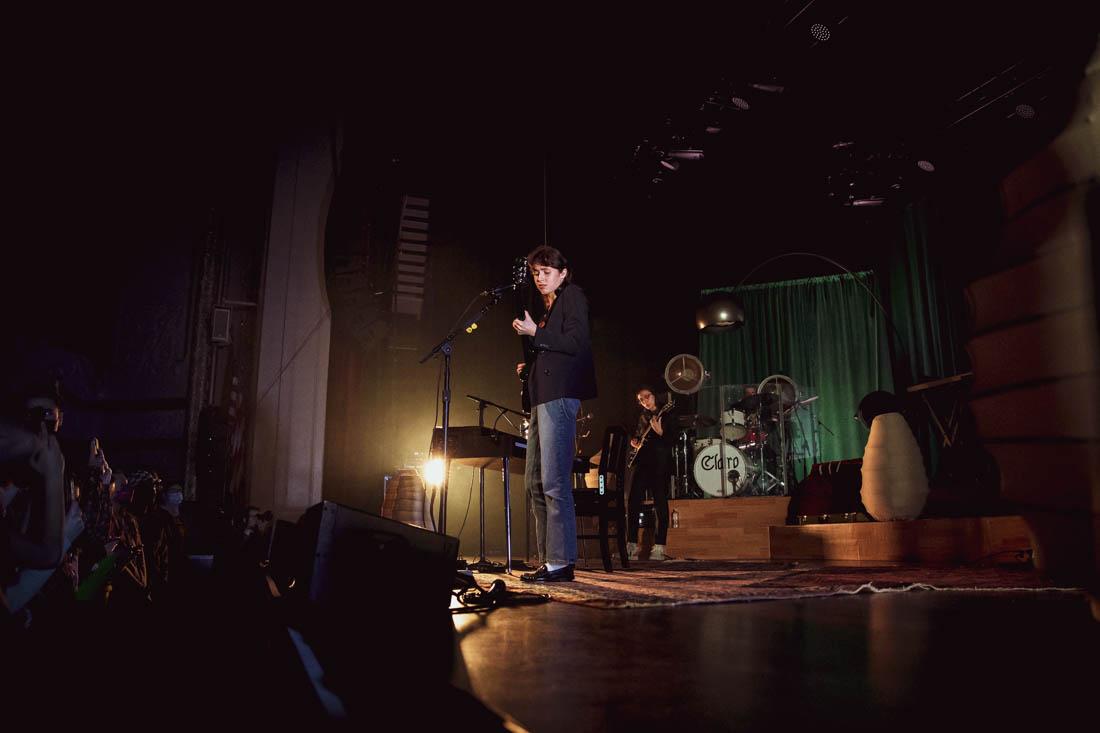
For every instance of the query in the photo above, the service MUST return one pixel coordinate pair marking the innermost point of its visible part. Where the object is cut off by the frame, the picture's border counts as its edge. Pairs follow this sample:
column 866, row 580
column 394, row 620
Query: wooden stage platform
column 754, row 528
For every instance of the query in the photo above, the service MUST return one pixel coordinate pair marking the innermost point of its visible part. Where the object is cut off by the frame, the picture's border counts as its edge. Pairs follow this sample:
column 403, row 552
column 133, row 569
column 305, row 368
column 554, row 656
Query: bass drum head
column 708, row 468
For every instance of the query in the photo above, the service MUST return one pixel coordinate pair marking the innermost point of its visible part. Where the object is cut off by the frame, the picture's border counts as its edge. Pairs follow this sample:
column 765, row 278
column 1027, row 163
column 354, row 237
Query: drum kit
column 751, row 455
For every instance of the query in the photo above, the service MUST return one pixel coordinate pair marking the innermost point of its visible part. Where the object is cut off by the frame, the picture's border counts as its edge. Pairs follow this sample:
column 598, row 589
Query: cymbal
column 696, row 421
column 785, row 391
column 753, row 401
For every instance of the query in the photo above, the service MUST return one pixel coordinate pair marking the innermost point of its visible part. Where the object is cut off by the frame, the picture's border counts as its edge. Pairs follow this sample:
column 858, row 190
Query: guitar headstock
column 520, row 272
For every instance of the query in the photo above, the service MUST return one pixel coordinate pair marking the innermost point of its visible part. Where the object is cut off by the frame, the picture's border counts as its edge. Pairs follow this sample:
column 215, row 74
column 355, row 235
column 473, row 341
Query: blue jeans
column 551, row 442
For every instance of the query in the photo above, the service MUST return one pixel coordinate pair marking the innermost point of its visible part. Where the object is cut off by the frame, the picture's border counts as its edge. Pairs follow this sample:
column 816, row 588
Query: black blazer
column 563, row 363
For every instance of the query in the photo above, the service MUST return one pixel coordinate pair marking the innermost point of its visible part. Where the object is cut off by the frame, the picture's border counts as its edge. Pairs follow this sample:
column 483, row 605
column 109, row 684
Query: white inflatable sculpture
column 895, row 485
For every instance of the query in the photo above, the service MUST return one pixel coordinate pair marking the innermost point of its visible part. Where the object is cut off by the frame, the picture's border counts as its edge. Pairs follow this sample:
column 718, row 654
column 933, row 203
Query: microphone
column 498, row 290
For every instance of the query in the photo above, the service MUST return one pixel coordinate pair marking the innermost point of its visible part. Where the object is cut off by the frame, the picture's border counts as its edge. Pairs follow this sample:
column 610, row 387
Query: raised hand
column 47, row 458
column 525, row 327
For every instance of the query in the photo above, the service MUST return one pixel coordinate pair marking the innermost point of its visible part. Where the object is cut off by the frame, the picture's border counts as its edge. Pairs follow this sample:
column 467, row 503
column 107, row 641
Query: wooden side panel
column 921, row 540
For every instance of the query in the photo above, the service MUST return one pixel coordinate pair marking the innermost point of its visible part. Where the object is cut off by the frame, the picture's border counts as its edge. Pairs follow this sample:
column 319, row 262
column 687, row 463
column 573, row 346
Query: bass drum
column 708, row 468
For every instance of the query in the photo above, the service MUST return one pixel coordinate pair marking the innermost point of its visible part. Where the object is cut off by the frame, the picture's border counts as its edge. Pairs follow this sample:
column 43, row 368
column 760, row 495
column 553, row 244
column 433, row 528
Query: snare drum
column 708, row 467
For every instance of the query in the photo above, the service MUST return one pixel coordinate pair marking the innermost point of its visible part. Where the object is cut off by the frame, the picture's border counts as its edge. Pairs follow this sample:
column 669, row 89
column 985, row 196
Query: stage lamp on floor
column 719, row 312
column 895, row 485
column 433, row 472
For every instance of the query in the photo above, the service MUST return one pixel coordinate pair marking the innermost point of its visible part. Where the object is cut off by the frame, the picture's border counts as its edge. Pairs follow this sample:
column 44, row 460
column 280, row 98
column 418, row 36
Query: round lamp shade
column 719, row 312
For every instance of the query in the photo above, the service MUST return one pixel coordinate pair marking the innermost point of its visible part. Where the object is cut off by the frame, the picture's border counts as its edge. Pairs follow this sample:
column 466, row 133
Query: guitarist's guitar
column 641, row 441
column 521, row 275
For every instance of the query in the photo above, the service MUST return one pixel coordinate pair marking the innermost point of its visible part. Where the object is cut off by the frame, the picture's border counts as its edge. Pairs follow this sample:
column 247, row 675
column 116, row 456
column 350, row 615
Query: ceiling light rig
column 660, row 156
column 813, row 24
column 1018, row 92
column 1023, row 111
column 665, row 155
column 872, row 175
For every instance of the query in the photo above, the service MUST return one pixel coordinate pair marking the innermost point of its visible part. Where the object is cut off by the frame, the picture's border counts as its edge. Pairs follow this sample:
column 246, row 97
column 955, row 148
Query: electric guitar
column 641, row 441
column 521, row 275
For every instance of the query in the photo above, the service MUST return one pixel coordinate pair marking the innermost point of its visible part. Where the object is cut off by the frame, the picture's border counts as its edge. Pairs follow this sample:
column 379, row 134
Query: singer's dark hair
column 548, row 256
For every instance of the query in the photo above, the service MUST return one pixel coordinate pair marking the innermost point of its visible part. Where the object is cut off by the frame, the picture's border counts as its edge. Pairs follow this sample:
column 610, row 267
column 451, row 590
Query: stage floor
column 896, row 661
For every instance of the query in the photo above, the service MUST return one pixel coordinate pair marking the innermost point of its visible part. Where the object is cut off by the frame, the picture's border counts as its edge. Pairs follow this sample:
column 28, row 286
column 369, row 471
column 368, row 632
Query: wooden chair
column 607, row 502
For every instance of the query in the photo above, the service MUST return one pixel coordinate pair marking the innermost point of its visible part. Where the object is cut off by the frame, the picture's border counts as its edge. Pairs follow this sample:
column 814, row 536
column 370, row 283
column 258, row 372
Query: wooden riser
column 922, row 540
column 725, row 529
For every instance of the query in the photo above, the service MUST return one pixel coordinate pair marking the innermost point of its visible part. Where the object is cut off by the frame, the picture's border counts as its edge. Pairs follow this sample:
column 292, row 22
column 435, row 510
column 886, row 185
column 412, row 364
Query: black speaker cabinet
column 371, row 597
column 357, row 555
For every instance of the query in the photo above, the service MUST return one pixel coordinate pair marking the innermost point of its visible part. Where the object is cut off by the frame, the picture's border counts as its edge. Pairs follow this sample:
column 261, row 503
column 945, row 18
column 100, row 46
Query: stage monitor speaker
column 372, row 597
column 356, row 553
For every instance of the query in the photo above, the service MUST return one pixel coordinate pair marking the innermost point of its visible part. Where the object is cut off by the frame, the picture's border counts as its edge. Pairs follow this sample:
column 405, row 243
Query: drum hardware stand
column 683, row 488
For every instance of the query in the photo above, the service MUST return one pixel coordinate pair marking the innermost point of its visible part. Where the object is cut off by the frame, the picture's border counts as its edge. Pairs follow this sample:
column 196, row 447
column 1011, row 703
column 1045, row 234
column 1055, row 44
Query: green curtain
column 825, row 333
column 926, row 305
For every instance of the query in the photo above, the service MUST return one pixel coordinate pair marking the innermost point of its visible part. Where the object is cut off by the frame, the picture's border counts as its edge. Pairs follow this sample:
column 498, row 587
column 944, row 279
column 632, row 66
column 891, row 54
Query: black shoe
column 542, row 575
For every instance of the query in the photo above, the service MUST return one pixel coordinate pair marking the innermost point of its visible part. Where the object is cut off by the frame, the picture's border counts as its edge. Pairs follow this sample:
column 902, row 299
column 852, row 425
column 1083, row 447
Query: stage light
column 820, row 32
column 433, row 472
column 740, row 103
column 670, row 164
column 686, row 154
column 926, row 166
column 770, row 88
column 1025, row 111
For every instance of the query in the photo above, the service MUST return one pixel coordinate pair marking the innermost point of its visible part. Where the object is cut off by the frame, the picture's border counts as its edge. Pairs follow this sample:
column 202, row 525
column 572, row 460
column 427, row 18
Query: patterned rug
column 684, row 582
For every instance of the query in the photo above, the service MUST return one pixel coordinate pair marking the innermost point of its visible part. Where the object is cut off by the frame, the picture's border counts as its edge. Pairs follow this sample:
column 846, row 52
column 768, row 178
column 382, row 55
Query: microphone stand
column 446, row 347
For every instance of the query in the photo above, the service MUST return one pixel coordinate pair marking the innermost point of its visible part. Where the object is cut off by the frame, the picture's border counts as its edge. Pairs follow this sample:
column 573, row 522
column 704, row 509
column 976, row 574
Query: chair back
column 614, row 451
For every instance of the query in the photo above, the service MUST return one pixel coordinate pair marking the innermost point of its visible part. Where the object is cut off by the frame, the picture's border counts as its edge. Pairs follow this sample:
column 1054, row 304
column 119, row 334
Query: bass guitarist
column 653, row 441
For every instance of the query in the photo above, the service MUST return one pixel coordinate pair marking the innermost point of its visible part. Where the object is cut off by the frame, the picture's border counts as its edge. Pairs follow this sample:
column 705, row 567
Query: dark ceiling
column 117, row 133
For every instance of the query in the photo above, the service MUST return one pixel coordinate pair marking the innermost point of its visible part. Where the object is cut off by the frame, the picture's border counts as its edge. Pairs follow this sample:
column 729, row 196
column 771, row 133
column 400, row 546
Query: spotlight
column 433, row 472
column 719, row 312
column 820, row 32
column 926, row 166
column 740, row 103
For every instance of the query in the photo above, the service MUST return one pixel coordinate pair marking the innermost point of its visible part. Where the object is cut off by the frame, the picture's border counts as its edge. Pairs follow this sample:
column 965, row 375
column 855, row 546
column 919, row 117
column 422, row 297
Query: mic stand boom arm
column 445, row 347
